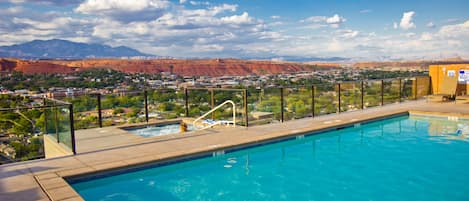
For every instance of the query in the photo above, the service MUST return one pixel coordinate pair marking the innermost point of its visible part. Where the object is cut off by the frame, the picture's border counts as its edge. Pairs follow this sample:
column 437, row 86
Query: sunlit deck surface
column 109, row 148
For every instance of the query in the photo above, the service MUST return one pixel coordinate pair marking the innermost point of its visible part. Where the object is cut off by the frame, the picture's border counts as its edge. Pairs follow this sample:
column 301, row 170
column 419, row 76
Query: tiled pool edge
column 58, row 193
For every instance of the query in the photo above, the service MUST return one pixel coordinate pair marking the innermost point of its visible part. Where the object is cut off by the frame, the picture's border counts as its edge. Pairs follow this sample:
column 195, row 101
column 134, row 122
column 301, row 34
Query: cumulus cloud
column 275, row 17
column 430, row 25
column 198, row 3
column 182, row 1
column 406, row 20
column 455, row 31
column 238, row 19
column 47, row 2
column 348, row 33
column 334, row 21
column 124, row 10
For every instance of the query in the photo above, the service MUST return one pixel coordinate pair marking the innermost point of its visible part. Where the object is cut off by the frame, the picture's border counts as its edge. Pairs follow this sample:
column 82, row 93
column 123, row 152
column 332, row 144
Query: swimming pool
column 158, row 130
column 395, row 159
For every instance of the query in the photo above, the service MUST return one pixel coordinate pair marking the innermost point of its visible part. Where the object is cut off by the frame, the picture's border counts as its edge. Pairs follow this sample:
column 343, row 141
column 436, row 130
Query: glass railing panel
column 325, row 99
column 122, row 108
column 372, row 93
column 199, row 101
column 408, row 89
column 85, row 110
column 264, row 106
column 297, row 103
column 21, row 132
column 423, row 86
column 51, row 120
column 226, row 112
column 391, row 91
column 165, row 104
column 350, row 96
column 64, row 129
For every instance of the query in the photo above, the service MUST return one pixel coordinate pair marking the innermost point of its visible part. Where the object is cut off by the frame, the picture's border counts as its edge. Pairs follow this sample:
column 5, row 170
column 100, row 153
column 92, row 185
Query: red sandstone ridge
column 7, row 65
column 32, row 67
column 207, row 67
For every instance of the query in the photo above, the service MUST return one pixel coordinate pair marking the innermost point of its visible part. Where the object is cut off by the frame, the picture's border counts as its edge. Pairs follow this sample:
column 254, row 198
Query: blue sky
column 360, row 29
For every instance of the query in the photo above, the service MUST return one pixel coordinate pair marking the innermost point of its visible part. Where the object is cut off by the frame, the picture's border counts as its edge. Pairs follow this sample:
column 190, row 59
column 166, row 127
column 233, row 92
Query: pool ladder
column 212, row 123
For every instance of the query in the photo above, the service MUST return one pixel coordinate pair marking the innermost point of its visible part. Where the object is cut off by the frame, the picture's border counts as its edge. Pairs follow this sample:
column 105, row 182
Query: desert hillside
column 205, row 67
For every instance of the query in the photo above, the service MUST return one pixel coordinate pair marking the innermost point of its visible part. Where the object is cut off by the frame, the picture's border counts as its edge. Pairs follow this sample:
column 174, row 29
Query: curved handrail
column 218, row 122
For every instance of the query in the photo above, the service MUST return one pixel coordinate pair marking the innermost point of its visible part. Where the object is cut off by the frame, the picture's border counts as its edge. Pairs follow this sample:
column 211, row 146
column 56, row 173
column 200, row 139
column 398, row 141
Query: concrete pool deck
column 43, row 179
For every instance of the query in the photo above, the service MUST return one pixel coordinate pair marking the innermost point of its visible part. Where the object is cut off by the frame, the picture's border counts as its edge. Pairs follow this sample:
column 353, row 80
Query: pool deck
column 111, row 148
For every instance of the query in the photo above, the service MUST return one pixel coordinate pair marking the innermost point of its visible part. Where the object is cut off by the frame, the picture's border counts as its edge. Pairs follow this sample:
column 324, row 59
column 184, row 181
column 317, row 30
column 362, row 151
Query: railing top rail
column 64, row 103
column 30, row 108
column 214, row 89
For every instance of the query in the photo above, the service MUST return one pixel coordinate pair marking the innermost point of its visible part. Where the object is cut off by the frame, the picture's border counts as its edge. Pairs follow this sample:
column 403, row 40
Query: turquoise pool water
column 403, row 158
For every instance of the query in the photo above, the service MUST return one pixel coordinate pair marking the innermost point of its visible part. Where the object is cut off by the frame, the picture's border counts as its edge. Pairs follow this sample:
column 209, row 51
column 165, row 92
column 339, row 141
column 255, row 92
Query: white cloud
column 238, row 19
column 182, row 1
column 198, row 3
column 406, row 20
column 46, row 2
column 455, row 31
column 275, row 23
column 394, row 25
column 275, row 17
column 124, row 10
column 315, row 19
column 334, row 21
column 430, row 25
column 348, row 33
column 426, row 36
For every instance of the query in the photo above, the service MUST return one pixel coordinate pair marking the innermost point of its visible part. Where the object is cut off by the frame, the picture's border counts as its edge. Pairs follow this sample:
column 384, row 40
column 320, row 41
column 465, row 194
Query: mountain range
column 63, row 49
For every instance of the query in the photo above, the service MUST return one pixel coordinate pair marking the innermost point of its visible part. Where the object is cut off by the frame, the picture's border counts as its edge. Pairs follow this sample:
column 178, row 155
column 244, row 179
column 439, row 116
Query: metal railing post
column 145, row 95
column 430, row 87
column 338, row 85
column 186, row 102
column 312, row 100
column 100, row 114
column 56, row 120
column 382, row 92
column 44, row 102
column 362, row 91
column 246, row 116
column 213, row 102
column 72, row 129
column 281, row 104
column 400, row 90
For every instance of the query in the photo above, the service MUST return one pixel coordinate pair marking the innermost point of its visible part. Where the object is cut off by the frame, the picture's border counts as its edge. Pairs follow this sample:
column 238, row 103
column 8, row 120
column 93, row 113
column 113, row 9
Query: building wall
column 437, row 72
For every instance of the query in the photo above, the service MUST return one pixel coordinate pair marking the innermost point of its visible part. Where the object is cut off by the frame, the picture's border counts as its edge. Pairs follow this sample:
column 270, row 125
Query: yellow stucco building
column 440, row 72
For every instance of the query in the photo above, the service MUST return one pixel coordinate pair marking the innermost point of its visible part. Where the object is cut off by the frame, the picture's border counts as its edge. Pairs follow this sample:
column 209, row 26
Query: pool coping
column 55, row 186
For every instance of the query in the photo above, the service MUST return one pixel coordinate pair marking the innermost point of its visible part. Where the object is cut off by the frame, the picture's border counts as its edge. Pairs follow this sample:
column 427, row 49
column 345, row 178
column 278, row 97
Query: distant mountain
column 63, row 49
